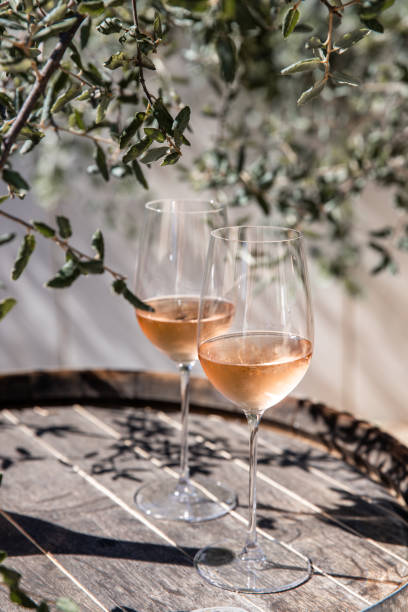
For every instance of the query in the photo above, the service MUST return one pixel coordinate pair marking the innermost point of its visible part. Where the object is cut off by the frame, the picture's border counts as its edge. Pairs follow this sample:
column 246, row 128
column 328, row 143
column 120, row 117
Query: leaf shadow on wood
column 297, row 524
column 61, row 431
column 379, row 518
column 21, row 455
column 300, row 459
column 140, row 432
column 59, row 540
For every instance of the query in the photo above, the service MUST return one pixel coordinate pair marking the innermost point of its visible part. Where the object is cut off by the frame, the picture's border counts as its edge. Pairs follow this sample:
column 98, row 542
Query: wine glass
column 256, row 362
column 168, row 278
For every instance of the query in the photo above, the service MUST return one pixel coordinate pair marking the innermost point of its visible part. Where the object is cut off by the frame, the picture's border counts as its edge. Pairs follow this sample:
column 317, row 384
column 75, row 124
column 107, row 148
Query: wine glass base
column 172, row 501
column 281, row 570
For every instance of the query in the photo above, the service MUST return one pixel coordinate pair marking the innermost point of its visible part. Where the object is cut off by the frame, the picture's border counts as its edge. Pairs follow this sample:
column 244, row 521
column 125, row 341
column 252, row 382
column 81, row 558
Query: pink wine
column 255, row 369
column 172, row 327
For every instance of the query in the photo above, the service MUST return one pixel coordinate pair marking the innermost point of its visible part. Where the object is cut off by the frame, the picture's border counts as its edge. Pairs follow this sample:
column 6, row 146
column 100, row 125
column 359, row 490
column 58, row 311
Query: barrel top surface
column 76, row 445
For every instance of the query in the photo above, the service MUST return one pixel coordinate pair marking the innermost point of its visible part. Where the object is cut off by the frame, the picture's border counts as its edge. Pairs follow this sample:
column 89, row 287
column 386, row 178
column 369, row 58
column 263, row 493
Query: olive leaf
column 44, row 229
column 312, row 92
column 110, row 25
column 15, row 66
column 290, row 20
column 64, row 226
column 55, row 28
column 6, row 101
column 164, row 119
column 5, row 238
column 374, row 25
column 137, row 149
column 138, row 172
column 5, row 306
column 344, row 79
column 92, row 266
column 117, row 60
column 74, row 90
column 180, row 124
column 181, row 121
column 226, row 52
column 14, row 179
column 65, row 276
column 25, row 251
column 157, row 26
column 302, row 66
column 11, row 578
column 171, row 159
column 371, row 9
column 155, row 134
column 55, row 14
column 129, row 131
column 100, row 160
column 350, row 38
column 84, row 33
column 154, row 154
column 102, row 108
column 119, row 286
column 98, row 244
column 91, row 7
column 146, row 62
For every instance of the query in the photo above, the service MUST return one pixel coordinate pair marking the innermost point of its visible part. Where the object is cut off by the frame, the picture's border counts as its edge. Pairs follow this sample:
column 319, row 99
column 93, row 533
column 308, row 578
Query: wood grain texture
column 67, row 434
column 70, row 474
column 359, row 443
column 295, row 503
column 107, row 549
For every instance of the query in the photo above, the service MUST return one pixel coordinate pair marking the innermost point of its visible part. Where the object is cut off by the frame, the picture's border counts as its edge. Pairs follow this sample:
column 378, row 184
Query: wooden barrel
column 75, row 446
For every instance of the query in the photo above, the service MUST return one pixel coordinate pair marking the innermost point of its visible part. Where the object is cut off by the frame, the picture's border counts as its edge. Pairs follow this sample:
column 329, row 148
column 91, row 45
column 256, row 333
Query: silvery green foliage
column 304, row 163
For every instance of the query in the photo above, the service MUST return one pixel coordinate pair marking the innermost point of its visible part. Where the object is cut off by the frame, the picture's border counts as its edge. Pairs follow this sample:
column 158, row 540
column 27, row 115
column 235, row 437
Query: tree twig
column 329, row 45
column 333, row 9
column 59, row 128
column 38, row 89
column 149, row 96
column 139, row 55
column 78, row 76
column 61, row 243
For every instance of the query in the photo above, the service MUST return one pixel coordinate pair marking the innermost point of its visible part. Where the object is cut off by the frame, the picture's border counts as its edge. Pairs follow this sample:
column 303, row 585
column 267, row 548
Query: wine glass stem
column 185, row 400
column 252, row 551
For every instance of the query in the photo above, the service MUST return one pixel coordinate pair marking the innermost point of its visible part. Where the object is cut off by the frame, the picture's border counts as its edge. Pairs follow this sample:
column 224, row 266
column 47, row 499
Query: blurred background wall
column 361, row 355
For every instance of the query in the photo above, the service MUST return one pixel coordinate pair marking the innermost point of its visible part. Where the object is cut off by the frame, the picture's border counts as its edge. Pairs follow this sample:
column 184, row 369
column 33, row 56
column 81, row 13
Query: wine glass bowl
column 172, row 325
column 168, row 278
column 262, row 356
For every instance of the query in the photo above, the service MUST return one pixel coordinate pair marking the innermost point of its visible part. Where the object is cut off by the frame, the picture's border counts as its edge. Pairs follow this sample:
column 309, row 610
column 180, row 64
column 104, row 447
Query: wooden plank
column 41, row 578
column 301, row 460
column 122, row 560
column 358, row 442
column 355, row 546
column 73, row 442
column 396, row 602
column 378, row 519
